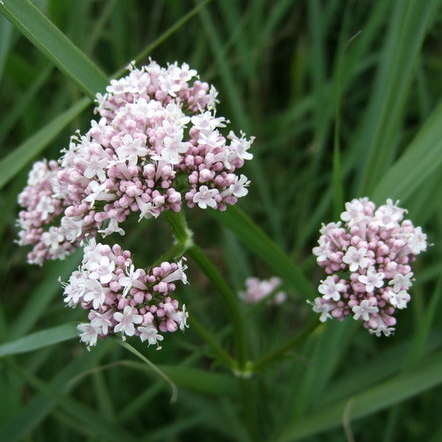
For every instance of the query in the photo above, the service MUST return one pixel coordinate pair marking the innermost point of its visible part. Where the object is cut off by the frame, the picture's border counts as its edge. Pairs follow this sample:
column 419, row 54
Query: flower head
column 122, row 299
column 368, row 260
column 158, row 144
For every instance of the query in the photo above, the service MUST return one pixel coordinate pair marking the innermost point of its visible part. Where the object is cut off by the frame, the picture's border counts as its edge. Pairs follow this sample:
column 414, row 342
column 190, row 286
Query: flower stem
column 184, row 241
column 280, row 352
column 212, row 342
column 230, row 301
column 154, row 368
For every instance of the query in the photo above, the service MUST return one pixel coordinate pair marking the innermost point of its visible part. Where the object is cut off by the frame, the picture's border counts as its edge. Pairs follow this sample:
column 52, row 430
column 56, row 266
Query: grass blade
column 408, row 28
column 39, row 339
column 40, row 406
column 50, row 40
column 23, row 154
column 258, row 242
column 422, row 158
column 377, row 398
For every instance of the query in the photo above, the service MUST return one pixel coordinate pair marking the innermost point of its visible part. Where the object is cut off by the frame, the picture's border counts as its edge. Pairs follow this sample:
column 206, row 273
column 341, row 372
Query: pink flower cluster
column 157, row 145
column 258, row 289
column 368, row 259
column 122, row 299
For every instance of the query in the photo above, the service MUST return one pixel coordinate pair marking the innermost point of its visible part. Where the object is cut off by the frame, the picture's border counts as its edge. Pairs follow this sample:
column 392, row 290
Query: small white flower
column 356, row 258
column 180, row 317
column 401, row 282
column 102, row 321
column 93, row 292
column 147, row 210
column 364, row 310
column 206, row 197
column 383, row 330
column 101, row 268
column 150, row 333
column 398, row 299
column 131, row 149
column 211, row 140
column 38, row 173
column 112, row 227
column 179, row 274
column 72, row 227
column 330, row 228
column 240, row 146
column 131, row 280
column 239, row 187
column 74, row 290
column 323, row 250
column 389, row 215
column 52, row 238
column 95, row 165
column 206, row 122
column 45, row 206
column 372, row 280
column 324, row 308
column 330, row 289
column 417, row 242
column 126, row 321
column 98, row 192
column 354, row 212
column 88, row 334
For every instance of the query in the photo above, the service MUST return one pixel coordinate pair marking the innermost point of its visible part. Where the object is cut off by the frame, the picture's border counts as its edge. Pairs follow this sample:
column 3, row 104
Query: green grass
column 344, row 99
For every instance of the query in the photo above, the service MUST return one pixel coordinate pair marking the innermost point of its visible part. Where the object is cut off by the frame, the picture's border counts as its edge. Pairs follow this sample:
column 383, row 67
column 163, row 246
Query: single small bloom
column 330, row 288
column 88, row 334
column 356, row 258
column 127, row 320
column 321, row 307
column 364, row 310
column 205, row 197
column 372, row 280
column 150, row 334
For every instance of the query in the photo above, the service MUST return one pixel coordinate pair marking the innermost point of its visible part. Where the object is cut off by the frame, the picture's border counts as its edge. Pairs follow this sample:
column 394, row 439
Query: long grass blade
column 50, row 40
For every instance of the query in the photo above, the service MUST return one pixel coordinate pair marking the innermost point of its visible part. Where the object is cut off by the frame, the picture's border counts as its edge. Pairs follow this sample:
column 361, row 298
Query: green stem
column 279, row 352
column 154, row 368
column 230, row 301
column 212, row 342
column 184, row 241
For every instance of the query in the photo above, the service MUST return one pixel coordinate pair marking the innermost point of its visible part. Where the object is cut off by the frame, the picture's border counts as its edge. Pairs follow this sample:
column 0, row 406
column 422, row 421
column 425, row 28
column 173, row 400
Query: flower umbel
column 157, row 144
column 368, row 259
column 259, row 289
column 123, row 300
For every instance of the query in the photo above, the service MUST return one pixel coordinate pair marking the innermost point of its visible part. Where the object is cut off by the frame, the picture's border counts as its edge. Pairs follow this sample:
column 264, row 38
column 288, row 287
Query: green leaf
column 5, row 42
column 90, row 420
column 39, row 339
column 43, row 294
column 50, row 40
column 194, row 379
column 258, row 242
column 422, row 158
column 23, row 154
column 408, row 26
column 428, row 375
column 41, row 405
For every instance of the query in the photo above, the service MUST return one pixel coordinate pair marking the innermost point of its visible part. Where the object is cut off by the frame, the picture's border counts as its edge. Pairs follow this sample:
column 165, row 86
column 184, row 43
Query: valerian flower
column 368, row 259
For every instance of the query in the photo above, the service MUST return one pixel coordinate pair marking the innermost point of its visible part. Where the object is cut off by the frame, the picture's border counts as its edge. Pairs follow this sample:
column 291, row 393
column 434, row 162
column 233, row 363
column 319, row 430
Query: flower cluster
column 157, row 145
column 258, row 289
column 122, row 299
column 368, row 259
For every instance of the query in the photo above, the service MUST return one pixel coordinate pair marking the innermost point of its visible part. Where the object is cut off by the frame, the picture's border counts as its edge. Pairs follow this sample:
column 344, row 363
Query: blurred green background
column 343, row 97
